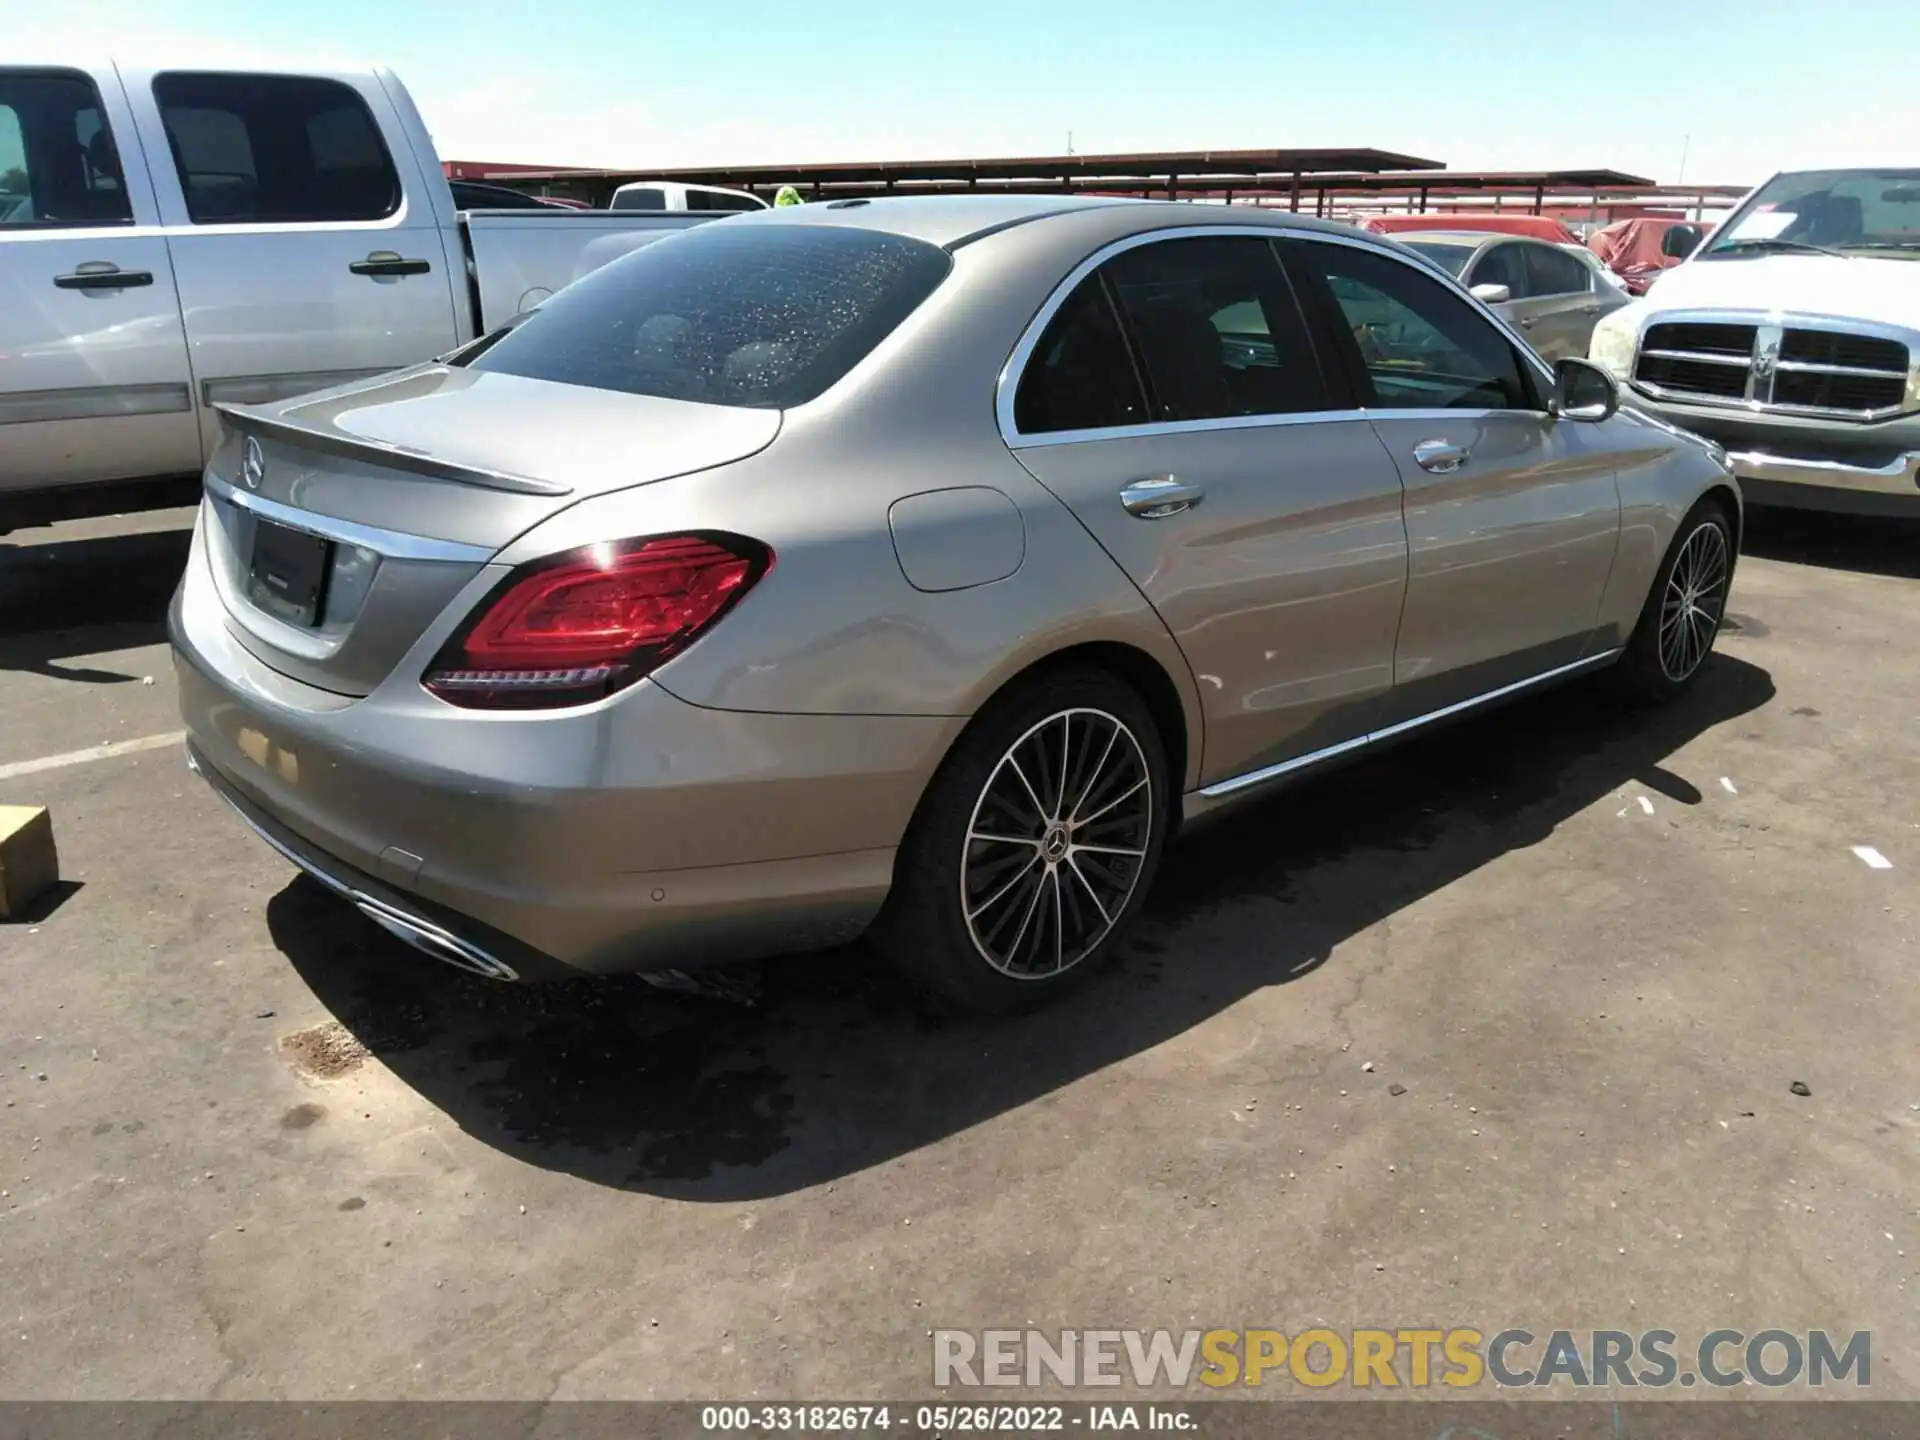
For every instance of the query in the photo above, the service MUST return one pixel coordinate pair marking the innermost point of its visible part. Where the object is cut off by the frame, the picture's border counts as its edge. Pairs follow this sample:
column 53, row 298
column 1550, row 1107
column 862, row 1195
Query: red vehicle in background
column 1638, row 250
column 1534, row 227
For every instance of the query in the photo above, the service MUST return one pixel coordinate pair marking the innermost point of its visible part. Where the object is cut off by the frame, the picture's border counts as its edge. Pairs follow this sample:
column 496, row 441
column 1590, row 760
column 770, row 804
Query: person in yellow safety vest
column 788, row 195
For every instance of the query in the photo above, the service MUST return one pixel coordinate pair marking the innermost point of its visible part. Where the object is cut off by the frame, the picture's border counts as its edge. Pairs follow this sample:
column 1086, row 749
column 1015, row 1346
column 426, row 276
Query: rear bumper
column 634, row 834
column 1810, row 464
column 454, row 939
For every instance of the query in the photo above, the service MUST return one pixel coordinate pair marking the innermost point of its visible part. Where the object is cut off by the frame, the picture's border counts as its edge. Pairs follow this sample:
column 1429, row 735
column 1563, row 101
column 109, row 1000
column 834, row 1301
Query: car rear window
column 1450, row 258
column 762, row 316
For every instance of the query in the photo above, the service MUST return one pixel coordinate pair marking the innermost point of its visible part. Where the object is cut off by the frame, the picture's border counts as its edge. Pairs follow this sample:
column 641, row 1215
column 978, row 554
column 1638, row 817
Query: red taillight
column 577, row 626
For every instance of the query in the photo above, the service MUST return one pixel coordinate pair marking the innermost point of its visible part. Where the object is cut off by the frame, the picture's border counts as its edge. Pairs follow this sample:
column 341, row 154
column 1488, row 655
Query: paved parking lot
column 251, row 1147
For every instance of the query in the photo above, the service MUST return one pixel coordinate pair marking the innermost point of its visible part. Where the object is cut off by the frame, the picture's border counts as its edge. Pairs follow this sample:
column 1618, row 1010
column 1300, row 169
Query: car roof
column 1458, row 237
column 955, row 220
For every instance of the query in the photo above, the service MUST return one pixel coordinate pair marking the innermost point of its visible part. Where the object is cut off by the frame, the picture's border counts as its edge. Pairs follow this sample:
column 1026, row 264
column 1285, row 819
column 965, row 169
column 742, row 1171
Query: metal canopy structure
column 1326, row 182
column 1167, row 172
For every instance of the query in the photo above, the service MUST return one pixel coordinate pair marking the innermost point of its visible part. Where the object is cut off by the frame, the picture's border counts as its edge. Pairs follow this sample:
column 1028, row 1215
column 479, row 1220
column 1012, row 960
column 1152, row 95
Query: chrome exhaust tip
column 432, row 940
column 422, row 935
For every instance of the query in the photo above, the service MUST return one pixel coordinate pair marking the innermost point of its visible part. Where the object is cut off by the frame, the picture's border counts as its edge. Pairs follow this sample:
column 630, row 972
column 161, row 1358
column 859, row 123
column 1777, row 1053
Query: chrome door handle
column 1589, row 309
column 1526, row 322
column 1442, row 457
column 1159, row 496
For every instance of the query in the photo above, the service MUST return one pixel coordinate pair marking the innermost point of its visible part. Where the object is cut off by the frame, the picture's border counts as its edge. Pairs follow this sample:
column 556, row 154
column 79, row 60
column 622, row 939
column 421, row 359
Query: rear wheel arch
column 1144, row 674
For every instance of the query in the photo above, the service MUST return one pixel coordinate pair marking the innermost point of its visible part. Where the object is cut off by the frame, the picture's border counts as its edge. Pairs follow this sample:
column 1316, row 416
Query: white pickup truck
column 175, row 239
column 1792, row 339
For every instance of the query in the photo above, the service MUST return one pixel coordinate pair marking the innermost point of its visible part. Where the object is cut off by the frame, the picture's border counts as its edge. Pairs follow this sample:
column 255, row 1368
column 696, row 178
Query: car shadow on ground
column 1868, row 544
column 836, row 1070
column 86, row 597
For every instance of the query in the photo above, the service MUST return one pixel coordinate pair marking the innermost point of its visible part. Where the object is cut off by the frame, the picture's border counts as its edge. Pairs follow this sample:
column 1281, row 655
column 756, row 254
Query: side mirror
column 1680, row 241
column 1491, row 294
column 1583, row 391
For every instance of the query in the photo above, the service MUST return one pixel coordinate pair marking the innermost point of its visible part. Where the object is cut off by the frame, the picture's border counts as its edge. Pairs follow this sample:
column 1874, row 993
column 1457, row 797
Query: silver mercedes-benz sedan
column 909, row 565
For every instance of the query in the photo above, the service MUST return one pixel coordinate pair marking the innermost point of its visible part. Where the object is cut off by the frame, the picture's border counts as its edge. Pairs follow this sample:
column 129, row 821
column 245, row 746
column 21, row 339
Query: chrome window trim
column 389, row 544
column 1251, row 778
column 1160, row 428
column 1008, row 385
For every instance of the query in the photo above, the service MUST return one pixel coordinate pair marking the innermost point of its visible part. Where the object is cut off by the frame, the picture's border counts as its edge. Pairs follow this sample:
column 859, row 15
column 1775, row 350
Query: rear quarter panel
column 837, row 628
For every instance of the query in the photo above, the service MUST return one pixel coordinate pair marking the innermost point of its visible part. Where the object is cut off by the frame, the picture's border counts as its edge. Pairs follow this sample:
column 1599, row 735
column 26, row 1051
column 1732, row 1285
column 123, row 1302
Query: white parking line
column 97, row 752
column 1873, row 859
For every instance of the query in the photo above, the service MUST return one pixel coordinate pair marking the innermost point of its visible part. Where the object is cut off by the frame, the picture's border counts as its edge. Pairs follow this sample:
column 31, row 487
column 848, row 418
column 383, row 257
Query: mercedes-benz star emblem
column 253, row 465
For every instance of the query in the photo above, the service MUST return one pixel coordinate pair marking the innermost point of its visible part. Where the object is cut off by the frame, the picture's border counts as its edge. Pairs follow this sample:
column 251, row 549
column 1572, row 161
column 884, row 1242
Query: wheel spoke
column 1066, row 765
column 1039, row 810
column 986, row 874
column 1703, row 634
column 1059, row 924
column 995, row 898
column 1077, row 849
column 1093, row 776
column 1130, row 791
column 1085, row 884
column 1026, row 916
column 991, row 839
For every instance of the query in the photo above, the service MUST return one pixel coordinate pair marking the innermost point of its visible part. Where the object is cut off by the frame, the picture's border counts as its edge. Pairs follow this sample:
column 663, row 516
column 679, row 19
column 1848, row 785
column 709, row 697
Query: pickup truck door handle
column 385, row 262
column 1442, row 457
column 1159, row 496
column 107, row 279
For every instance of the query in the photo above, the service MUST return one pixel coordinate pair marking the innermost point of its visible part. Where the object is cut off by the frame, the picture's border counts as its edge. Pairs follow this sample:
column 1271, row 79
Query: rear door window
column 1218, row 332
column 1081, row 375
column 1552, row 271
column 759, row 316
column 59, row 167
column 275, row 149
column 1503, row 265
column 646, row 197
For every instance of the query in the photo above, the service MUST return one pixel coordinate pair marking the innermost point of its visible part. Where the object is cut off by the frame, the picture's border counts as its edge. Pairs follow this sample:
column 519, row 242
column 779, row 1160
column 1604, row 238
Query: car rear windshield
column 1450, row 258
column 730, row 313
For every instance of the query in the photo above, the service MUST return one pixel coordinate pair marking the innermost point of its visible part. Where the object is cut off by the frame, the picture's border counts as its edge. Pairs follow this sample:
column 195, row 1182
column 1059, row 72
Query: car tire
column 1684, row 608
column 1019, row 877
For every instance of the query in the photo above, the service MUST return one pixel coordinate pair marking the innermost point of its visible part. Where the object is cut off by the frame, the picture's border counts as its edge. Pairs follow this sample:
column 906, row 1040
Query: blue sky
column 1742, row 88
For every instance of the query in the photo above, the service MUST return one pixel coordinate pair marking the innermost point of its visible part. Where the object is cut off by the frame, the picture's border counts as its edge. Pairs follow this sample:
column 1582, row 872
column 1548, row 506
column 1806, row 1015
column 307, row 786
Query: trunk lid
column 380, row 501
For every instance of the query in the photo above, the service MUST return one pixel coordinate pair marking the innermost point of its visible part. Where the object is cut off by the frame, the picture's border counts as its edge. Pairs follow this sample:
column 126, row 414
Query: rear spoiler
column 330, row 440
